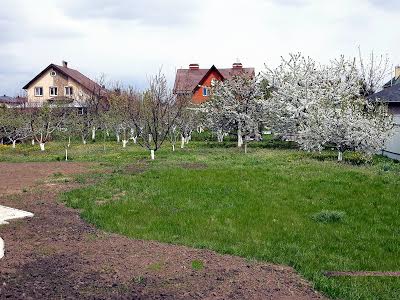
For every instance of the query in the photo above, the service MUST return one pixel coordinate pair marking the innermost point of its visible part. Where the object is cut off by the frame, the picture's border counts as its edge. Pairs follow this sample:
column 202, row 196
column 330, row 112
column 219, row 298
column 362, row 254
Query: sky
column 128, row 41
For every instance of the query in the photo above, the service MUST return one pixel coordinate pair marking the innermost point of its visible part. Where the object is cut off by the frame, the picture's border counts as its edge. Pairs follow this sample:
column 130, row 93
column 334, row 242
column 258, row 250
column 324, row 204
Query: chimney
column 193, row 66
column 65, row 64
column 397, row 72
column 237, row 65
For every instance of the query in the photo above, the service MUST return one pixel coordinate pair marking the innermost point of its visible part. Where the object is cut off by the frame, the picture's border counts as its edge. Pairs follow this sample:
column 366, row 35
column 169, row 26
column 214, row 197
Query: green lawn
column 260, row 206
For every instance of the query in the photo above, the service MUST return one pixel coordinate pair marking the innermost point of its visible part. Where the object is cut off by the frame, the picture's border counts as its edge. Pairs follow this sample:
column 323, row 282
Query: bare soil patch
column 16, row 176
column 57, row 255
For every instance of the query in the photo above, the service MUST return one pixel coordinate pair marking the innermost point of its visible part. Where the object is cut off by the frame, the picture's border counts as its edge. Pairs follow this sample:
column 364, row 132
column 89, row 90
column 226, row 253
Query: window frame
column 71, row 90
column 35, row 91
column 51, row 94
column 206, row 91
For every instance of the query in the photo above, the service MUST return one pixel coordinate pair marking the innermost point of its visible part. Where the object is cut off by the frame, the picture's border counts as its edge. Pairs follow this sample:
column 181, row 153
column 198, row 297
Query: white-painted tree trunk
column 1, row 248
column 240, row 139
column 245, row 147
column 41, row 146
column 13, row 144
column 220, row 136
column 135, row 139
column 173, row 147
column 93, row 133
column 182, row 141
column 118, row 138
column 124, row 142
column 340, row 156
column 66, row 154
column 152, row 154
column 33, row 142
column 187, row 139
column 69, row 142
column 83, row 141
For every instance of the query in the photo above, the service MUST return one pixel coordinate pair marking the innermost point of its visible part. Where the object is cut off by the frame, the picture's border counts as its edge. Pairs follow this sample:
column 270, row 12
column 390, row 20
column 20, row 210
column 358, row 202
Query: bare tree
column 44, row 120
column 14, row 124
column 155, row 113
column 372, row 72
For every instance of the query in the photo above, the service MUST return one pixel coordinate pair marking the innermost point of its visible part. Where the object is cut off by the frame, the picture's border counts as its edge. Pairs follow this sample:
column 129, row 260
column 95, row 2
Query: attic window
column 206, row 92
column 53, row 73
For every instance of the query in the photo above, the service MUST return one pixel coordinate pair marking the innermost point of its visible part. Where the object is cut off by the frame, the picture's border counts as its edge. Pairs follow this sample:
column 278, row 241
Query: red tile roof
column 187, row 80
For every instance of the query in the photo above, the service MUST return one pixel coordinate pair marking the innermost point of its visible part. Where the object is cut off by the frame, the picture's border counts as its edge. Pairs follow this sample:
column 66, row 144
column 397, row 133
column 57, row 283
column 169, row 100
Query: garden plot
column 8, row 213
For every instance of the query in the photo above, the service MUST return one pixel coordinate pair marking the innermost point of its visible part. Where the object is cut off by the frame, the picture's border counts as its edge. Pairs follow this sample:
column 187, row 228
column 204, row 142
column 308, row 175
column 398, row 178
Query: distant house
column 390, row 94
column 12, row 101
column 61, row 84
column 196, row 82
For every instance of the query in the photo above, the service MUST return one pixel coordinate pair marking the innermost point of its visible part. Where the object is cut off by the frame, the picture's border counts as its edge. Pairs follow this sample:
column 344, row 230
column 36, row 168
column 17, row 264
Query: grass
column 281, row 206
column 328, row 216
column 197, row 265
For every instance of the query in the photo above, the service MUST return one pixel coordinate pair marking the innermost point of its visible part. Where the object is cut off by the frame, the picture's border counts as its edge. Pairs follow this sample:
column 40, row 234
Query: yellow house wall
column 60, row 81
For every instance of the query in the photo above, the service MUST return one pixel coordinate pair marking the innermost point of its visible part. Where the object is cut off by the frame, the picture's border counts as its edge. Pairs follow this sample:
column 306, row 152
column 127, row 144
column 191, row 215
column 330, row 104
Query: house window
column 206, row 92
column 53, row 91
column 38, row 91
column 53, row 73
column 68, row 91
column 81, row 111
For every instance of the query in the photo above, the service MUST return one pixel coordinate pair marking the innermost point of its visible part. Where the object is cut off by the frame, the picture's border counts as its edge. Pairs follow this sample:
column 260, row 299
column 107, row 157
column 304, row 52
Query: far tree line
column 315, row 105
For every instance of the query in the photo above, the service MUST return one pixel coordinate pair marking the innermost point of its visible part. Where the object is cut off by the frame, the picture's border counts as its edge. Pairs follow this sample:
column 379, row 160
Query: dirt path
column 57, row 255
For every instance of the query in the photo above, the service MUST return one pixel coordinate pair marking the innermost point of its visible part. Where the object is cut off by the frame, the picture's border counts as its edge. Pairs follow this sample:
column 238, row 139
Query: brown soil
column 57, row 255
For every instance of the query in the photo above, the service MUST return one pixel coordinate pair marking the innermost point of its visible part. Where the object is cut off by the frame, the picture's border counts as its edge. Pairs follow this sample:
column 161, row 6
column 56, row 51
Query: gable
column 188, row 80
column 67, row 73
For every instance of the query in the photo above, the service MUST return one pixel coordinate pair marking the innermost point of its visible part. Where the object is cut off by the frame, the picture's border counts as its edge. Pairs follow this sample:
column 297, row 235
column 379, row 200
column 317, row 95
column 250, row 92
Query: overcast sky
column 130, row 40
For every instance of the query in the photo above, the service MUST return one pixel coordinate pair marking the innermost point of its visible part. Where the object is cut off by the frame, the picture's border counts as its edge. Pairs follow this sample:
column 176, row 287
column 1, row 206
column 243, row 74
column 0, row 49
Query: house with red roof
column 196, row 82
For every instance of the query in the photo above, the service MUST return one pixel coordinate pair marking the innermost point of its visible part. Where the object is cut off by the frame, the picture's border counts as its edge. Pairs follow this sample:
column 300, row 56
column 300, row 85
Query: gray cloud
column 149, row 12
column 388, row 5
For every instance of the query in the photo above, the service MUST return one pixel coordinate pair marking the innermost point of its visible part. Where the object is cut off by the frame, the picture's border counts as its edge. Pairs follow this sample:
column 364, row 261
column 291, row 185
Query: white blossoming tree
column 323, row 106
column 236, row 105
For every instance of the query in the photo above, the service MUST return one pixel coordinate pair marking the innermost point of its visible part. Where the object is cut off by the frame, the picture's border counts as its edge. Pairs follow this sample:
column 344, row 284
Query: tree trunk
column 340, row 156
column 150, row 138
column 173, row 147
column 124, row 142
column 41, row 146
column 93, row 133
column 240, row 139
column 220, row 136
column 1, row 248
column 69, row 141
column 118, row 138
column 135, row 139
column 83, row 140
column 33, row 142
column 152, row 154
column 13, row 144
column 66, row 154
column 182, row 141
column 245, row 147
